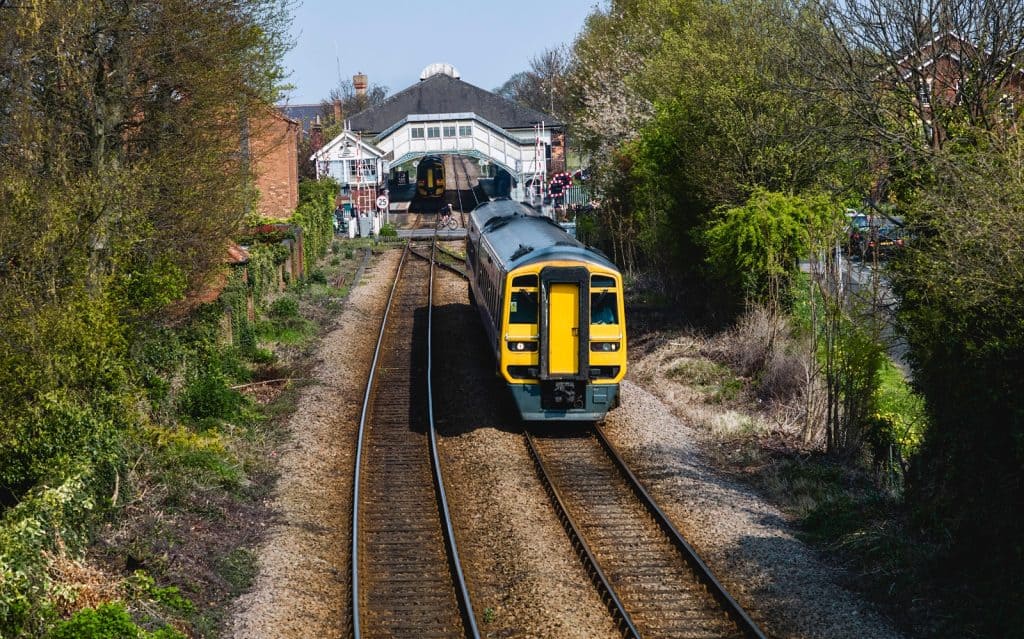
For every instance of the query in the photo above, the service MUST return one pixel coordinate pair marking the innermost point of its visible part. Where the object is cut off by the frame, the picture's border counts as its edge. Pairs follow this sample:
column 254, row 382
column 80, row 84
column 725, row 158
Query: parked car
column 884, row 240
column 874, row 235
column 858, row 225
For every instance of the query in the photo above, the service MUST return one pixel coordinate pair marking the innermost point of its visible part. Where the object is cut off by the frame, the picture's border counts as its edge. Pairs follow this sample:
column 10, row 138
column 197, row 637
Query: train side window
column 604, row 308
column 523, row 308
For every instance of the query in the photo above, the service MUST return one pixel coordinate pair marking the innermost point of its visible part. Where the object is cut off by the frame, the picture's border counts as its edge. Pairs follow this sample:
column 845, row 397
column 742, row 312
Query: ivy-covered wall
column 315, row 216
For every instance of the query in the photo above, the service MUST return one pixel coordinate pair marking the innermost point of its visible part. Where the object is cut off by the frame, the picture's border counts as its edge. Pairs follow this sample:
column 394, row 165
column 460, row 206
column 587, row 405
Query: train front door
column 564, row 329
column 564, row 323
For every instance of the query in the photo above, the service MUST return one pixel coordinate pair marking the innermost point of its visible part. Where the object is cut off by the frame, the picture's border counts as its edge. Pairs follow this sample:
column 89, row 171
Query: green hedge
column 46, row 517
column 315, row 216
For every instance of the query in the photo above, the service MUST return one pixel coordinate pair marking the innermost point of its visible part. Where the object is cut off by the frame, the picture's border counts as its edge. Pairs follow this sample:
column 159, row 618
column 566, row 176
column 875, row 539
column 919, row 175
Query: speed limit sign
column 382, row 202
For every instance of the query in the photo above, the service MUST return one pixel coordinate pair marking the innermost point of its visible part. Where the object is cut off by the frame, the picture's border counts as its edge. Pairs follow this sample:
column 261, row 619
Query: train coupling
column 563, row 395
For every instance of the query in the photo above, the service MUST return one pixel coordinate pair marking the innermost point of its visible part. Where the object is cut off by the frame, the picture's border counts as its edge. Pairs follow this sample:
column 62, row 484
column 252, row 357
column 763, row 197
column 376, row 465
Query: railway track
column 650, row 577
column 652, row 580
column 406, row 577
column 463, row 183
column 444, row 259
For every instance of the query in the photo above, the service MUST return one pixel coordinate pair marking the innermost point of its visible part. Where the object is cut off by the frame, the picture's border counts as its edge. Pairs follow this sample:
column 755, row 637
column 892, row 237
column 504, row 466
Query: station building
column 440, row 115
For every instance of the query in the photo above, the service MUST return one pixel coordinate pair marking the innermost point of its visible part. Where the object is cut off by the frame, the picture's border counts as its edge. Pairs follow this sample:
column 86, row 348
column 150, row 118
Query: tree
column 932, row 88
column 351, row 101
column 122, row 177
column 704, row 101
column 543, row 87
column 961, row 287
column 916, row 77
column 756, row 248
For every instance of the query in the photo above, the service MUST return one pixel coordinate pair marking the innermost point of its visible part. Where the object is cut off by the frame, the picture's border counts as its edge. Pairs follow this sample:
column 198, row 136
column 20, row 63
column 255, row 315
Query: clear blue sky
column 393, row 40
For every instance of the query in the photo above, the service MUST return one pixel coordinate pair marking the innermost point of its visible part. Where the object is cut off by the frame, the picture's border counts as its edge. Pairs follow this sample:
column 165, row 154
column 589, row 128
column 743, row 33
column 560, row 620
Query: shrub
column 107, row 621
column 31, row 529
column 765, row 347
column 64, row 392
column 196, row 459
column 284, row 308
column 208, row 395
column 756, row 247
column 388, row 230
column 262, row 356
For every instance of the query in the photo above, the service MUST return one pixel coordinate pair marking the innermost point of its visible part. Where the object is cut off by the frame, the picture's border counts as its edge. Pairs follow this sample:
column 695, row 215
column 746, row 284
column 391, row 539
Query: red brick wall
column 273, row 145
column 557, row 162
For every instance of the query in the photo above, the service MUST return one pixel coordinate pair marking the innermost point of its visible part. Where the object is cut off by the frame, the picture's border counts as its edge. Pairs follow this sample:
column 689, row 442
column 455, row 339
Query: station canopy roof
column 442, row 93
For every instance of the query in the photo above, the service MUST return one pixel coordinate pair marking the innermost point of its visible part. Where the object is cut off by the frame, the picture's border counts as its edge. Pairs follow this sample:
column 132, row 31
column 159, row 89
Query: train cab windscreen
column 604, row 301
column 604, row 308
column 523, row 303
column 523, row 308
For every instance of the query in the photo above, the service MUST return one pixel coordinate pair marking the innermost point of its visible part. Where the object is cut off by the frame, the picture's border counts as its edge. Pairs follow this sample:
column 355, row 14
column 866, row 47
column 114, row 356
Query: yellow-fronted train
column 553, row 312
column 430, row 185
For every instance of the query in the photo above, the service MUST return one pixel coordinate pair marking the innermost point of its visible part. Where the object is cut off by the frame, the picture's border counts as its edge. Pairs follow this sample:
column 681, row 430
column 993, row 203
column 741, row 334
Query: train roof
column 520, row 236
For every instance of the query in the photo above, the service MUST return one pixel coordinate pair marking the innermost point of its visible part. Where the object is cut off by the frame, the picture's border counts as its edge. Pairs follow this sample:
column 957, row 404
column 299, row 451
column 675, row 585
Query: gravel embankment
column 302, row 589
column 748, row 543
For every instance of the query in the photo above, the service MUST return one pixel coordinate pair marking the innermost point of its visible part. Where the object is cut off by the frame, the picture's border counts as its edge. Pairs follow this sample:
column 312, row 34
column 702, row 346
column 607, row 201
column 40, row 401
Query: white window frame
column 416, row 133
column 433, row 132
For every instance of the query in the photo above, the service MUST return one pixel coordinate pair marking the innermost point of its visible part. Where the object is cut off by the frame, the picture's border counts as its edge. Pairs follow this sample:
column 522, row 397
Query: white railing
column 498, row 146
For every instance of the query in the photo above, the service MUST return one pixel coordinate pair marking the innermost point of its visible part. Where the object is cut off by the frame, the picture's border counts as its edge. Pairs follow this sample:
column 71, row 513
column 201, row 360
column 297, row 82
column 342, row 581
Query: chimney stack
column 337, row 110
column 359, row 80
column 316, row 135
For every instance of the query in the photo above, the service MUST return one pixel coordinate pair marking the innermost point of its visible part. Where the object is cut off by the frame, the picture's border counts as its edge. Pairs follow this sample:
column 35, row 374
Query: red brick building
column 274, row 149
column 949, row 74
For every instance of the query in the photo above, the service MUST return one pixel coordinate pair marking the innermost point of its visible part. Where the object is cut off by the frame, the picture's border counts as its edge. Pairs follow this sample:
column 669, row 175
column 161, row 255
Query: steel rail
column 356, row 631
column 704, row 573
column 615, row 605
column 458, row 191
column 433, row 261
column 466, row 605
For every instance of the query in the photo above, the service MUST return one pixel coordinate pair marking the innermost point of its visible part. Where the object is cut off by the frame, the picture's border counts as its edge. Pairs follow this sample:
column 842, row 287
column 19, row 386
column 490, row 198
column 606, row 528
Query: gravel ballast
column 748, row 543
column 524, row 576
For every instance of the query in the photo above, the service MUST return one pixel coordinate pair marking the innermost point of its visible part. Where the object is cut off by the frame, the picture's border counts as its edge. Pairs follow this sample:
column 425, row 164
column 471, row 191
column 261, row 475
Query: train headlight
column 522, row 347
column 604, row 347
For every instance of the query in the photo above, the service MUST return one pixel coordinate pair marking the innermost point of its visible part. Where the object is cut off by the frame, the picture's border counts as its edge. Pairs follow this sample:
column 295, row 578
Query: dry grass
column 77, row 585
column 756, row 380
